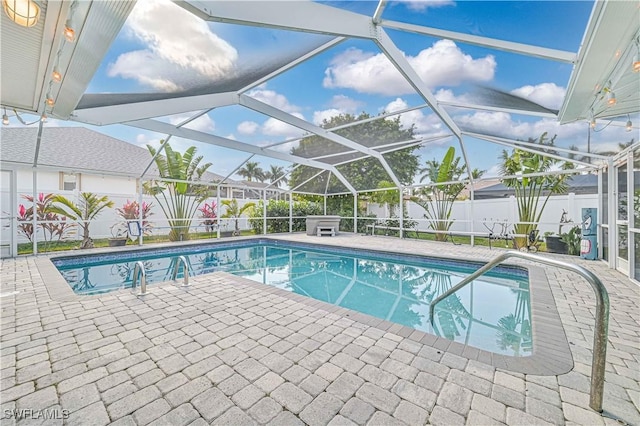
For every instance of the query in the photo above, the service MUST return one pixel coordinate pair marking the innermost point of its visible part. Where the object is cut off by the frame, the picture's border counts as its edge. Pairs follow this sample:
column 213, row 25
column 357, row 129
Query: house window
column 69, row 181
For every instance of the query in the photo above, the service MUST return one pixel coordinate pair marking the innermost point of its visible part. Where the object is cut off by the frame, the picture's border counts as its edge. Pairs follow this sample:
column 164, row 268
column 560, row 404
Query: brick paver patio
column 230, row 351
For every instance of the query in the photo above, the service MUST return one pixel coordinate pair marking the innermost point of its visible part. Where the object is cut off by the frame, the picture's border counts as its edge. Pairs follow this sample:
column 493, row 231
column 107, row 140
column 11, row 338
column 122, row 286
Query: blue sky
column 150, row 56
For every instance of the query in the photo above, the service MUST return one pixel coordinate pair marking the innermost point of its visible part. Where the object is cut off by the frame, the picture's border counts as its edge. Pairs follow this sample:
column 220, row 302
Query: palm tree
column 88, row 208
column 252, row 171
column 477, row 173
column 179, row 200
column 276, row 176
column 234, row 212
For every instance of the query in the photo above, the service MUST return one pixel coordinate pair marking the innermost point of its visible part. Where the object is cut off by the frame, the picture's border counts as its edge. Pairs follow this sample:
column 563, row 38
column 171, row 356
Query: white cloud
column 503, row 124
column 273, row 98
column 275, row 127
column 143, row 139
column 248, row 127
column 340, row 104
column 326, row 114
column 546, row 94
column 442, row 64
column 170, row 54
column 425, row 125
column 345, row 103
column 422, row 5
column 204, row 123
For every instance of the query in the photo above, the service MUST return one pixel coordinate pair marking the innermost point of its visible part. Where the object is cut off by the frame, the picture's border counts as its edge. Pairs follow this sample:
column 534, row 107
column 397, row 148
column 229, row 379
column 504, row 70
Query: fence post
column 571, row 205
column 218, row 214
column 141, row 236
column 290, row 212
column 471, row 214
column 355, row 213
column 264, row 211
column 35, row 211
column 401, row 216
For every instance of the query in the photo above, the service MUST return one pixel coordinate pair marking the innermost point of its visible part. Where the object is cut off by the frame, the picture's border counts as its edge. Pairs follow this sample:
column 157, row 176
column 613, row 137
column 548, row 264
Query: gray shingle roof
column 79, row 149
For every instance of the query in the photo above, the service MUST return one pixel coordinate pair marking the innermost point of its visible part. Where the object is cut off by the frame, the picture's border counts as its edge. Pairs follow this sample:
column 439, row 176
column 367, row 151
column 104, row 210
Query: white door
column 7, row 214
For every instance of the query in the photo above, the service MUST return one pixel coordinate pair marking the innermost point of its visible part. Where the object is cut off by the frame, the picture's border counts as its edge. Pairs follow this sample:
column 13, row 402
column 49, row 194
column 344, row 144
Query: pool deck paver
column 228, row 351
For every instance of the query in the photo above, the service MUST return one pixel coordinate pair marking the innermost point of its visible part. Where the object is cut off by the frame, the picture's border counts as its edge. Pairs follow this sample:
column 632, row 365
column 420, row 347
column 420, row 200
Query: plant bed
column 556, row 245
column 117, row 242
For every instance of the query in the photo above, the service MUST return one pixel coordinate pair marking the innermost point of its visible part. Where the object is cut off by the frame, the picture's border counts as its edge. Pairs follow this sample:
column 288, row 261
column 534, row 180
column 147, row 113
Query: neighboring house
column 578, row 184
column 75, row 158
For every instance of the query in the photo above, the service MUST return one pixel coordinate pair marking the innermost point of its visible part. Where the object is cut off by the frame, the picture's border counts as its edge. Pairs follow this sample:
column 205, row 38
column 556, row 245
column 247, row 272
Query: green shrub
column 280, row 209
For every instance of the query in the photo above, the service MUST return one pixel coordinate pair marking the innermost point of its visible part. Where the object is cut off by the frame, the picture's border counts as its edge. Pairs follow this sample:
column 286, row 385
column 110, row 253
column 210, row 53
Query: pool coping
column 551, row 353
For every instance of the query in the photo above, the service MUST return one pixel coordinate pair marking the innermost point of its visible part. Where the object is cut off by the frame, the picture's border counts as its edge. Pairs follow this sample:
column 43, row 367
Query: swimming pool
column 492, row 314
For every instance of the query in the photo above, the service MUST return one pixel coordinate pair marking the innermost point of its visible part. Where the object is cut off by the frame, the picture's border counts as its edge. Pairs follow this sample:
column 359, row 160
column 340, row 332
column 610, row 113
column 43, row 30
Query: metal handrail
column 602, row 314
column 185, row 268
column 139, row 270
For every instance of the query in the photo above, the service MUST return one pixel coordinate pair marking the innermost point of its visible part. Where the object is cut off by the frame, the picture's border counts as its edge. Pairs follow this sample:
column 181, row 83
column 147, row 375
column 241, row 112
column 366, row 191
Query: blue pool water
column 492, row 313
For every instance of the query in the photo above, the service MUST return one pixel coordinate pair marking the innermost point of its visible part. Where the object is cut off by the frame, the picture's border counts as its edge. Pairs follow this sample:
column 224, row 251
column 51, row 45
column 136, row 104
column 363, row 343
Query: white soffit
column 28, row 55
column 605, row 55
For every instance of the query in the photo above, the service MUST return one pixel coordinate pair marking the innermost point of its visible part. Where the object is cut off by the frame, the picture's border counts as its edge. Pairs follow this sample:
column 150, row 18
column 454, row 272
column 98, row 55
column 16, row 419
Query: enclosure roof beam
column 355, row 123
column 399, row 60
column 278, row 114
column 236, row 169
column 377, row 16
column 533, row 151
column 304, row 16
column 295, row 166
column 123, row 112
column 536, row 145
column 309, row 180
column 498, row 109
column 507, row 46
column 158, row 126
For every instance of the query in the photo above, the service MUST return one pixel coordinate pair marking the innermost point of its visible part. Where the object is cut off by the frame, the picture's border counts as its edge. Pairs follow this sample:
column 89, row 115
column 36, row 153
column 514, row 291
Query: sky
column 150, row 55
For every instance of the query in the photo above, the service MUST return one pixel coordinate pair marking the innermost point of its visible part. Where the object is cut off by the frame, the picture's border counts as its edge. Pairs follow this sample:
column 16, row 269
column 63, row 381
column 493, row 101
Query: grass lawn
column 44, row 247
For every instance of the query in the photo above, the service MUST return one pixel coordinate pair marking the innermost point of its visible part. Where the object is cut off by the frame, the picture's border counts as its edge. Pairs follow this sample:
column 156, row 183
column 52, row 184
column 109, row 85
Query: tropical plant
column 276, row 176
column 572, row 239
column 530, row 190
column 208, row 213
column 251, row 171
column 437, row 200
column 54, row 228
column 130, row 212
column 179, row 196
column 88, row 207
column 234, row 211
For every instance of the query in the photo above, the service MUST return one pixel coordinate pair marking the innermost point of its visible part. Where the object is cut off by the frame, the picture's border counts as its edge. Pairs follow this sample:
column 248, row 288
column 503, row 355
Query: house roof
column 578, row 184
column 77, row 149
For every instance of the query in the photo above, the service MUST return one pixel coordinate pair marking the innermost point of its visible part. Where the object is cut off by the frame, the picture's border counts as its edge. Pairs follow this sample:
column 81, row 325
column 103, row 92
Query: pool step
column 329, row 231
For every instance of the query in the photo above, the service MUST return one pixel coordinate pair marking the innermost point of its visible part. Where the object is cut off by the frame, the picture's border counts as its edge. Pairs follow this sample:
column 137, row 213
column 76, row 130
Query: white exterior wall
column 113, row 184
column 500, row 210
column 47, row 181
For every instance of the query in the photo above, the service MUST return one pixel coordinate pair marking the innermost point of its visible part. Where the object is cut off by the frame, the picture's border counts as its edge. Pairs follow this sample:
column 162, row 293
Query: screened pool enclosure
column 400, row 121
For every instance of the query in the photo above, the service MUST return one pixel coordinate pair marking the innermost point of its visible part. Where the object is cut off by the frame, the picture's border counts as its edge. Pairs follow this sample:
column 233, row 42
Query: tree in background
column 179, row 200
column 529, row 190
column 364, row 173
column 275, row 175
column 252, row 172
column 437, row 200
column 88, row 207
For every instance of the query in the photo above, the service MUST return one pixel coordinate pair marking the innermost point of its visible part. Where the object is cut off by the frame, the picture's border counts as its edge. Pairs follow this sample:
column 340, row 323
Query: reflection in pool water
column 493, row 313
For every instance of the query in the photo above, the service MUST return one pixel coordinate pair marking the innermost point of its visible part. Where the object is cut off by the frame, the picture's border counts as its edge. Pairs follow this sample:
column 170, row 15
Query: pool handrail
column 185, row 268
column 139, row 270
column 602, row 313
